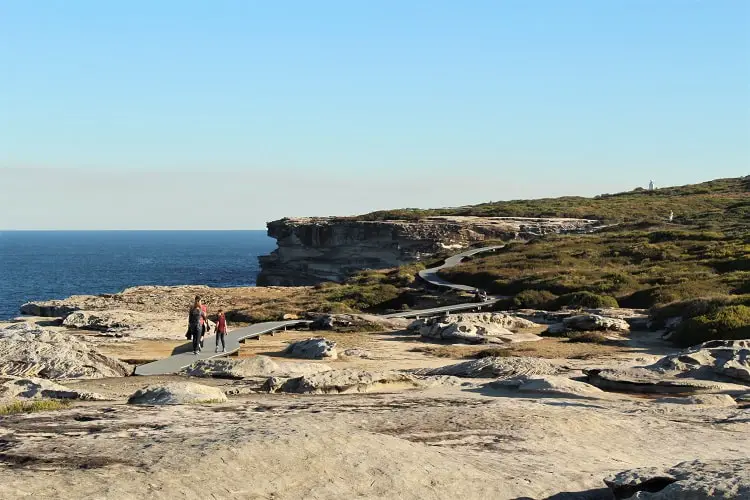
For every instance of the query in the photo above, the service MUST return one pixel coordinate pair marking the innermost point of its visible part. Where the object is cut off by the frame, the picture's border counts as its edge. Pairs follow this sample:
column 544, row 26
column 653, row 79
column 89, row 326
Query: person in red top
column 221, row 331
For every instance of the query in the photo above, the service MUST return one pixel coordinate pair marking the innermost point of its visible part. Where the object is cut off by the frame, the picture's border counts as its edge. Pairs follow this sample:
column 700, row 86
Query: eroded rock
column 37, row 388
column 645, row 380
column 496, row 367
column 349, row 380
column 312, row 348
column 31, row 351
column 177, row 393
column 594, row 322
column 728, row 358
column 258, row 366
column 694, row 480
column 550, row 384
column 475, row 328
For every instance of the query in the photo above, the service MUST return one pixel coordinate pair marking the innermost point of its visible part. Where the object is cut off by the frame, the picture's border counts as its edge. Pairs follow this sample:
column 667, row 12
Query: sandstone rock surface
column 496, row 367
column 177, row 393
column 31, row 351
column 639, row 379
column 728, row 358
column 721, row 400
column 12, row 388
column 550, row 384
column 693, row 480
column 312, row 348
column 475, row 328
column 348, row 381
column 258, row 366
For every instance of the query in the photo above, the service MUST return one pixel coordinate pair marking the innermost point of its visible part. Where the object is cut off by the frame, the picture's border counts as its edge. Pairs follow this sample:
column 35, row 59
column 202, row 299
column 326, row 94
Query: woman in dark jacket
column 195, row 325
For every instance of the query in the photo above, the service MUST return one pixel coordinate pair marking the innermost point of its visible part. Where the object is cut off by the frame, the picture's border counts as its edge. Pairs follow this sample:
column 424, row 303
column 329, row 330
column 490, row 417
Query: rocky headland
column 312, row 250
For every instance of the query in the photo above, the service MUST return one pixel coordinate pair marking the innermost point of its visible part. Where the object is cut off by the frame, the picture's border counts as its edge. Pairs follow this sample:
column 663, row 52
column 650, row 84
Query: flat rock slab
column 496, row 367
column 694, row 480
column 719, row 400
column 258, row 366
column 177, row 393
column 644, row 380
column 31, row 351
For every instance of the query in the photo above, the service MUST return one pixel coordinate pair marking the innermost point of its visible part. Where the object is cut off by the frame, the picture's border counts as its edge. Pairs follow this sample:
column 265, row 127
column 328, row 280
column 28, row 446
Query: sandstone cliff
column 313, row 250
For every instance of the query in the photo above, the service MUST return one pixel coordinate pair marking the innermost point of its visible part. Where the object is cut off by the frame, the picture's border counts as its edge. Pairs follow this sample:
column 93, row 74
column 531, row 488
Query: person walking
column 196, row 319
column 204, row 322
column 221, row 331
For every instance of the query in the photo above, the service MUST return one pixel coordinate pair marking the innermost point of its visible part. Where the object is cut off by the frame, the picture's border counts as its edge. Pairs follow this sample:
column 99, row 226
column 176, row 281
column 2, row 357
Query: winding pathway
column 184, row 356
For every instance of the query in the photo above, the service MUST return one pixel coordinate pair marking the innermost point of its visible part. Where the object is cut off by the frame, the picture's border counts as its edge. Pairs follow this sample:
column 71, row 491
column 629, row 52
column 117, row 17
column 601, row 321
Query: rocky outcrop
column 12, row 388
column 711, row 366
column 313, row 348
column 727, row 358
column 31, row 351
column 646, row 380
column 475, row 328
column 496, row 367
column 177, row 393
column 695, row 480
column 345, row 381
column 258, row 366
column 551, row 385
column 314, row 250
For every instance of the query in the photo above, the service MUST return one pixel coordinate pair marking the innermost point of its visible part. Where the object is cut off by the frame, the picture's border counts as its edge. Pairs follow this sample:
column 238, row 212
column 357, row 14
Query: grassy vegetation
column 16, row 407
column 633, row 267
column 724, row 317
column 692, row 204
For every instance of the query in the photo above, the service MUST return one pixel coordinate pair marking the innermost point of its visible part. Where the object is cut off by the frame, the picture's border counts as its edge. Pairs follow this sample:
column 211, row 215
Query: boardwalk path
column 184, row 356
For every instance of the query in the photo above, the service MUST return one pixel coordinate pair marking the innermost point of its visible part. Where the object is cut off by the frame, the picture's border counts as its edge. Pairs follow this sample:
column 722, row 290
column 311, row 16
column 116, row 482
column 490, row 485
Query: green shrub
column 363, row 296
column 492, row 352
column 585, row 300
column 587, row 337
column 534, row 299
column 725, row 323
column 687, row 309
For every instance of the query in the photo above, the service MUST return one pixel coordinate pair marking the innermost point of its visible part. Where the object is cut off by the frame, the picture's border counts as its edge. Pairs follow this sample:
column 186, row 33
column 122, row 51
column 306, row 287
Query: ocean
column 41, row 265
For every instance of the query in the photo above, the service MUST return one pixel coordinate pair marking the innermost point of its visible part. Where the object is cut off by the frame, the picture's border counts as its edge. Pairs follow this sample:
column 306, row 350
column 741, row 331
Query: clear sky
column 226, row 114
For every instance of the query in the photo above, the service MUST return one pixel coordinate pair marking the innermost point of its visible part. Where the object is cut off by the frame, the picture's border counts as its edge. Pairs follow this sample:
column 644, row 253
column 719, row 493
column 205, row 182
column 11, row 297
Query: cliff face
column 313, row 250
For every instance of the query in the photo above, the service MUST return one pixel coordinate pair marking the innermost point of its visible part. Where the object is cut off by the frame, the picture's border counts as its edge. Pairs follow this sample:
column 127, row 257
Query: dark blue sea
column 41, row 265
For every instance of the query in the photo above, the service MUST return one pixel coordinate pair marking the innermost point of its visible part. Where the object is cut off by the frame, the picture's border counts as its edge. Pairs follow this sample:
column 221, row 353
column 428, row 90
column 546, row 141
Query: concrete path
column 431, row 275
column 185, row 357
column 184, row 354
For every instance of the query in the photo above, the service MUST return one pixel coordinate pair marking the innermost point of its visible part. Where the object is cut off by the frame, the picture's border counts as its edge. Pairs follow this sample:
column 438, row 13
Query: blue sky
column 488, row 99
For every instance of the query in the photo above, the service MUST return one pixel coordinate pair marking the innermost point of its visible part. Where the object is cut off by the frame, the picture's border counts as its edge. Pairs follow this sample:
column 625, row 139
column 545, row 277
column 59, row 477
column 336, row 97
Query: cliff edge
column 312, row 250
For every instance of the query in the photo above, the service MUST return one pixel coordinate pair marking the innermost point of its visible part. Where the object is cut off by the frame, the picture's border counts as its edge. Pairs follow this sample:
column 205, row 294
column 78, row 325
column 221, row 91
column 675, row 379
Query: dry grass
column 17, row 407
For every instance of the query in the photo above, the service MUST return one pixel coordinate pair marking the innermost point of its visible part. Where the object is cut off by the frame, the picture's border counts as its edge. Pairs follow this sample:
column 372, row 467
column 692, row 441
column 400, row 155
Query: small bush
column 725, row 323
column 492, row 352
column 587, row 337
column 33, row 406
column 585, row 299
column 534, row 299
